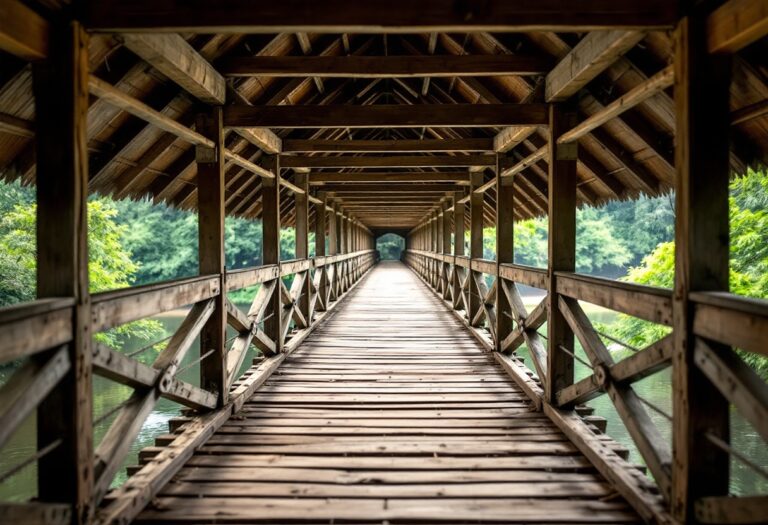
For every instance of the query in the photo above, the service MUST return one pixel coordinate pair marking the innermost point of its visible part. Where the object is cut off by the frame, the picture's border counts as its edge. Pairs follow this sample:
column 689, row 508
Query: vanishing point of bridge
column 396, row 392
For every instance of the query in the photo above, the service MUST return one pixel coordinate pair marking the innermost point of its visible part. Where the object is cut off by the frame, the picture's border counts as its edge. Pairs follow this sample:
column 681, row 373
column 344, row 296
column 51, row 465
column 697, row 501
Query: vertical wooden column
column 301, row 202
column 60, row 86
column 562, row 247
column 701, row 261
column 333, row 239
column 270, row 217
column 505, row 248
column 458, row 242
column 475, row 238
column 210, row 184
column 320, row 235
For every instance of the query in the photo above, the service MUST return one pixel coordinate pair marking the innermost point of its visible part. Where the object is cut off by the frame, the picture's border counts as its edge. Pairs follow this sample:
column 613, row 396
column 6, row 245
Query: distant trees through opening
column 390, row 246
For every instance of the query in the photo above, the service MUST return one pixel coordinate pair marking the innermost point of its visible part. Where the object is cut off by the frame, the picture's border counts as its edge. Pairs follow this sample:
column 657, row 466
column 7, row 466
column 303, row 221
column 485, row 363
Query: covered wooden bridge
column 390, row 392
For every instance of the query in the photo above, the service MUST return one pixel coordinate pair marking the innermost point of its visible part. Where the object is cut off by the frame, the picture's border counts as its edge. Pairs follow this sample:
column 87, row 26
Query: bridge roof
column 390, row 122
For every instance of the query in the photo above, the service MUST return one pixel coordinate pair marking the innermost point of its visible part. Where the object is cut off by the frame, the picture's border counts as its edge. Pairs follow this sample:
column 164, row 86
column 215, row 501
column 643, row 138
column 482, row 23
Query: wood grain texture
column 389, row 410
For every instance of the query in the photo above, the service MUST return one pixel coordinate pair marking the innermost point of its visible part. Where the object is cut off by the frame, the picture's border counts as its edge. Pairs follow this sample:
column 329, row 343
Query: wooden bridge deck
column 389, row 411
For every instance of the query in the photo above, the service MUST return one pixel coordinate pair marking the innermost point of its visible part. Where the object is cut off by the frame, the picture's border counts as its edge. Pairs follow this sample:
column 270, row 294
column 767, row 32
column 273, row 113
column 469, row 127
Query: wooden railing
column 278, row 319
column 721, row 321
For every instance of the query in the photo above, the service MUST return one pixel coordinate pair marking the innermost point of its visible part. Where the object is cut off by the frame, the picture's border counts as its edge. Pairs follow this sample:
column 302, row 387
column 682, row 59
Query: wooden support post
column 458, row 240
column 302, row 240
column 270, row 217
column 701, row 261
column 60, row 85
column 333, row 231
column 446, row 244
column 562, row 248
column 320, row 236
column 476, row 205
column 505, row 252
column 211, row 211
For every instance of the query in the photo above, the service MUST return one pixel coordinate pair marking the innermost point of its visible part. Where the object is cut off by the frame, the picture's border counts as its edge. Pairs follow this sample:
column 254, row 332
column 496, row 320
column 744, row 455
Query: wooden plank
column 728, row 509
column 60, row 88
column 111, row 309
column 527, row 275
column 354, row 66
column 245, row 277
column 735, row 25
column 727, row 318
column 262, row 138
column 590, row 57
column 389, row 161
column 384, row 116
column 24, row 33
column 398, row 16
column 34, row 326
column 36, row 513
column 648, row 303
column 16, row 126
column 387, row 146
column 417, row 176
column 510, row 137
column 175, row 58
column 702, row 117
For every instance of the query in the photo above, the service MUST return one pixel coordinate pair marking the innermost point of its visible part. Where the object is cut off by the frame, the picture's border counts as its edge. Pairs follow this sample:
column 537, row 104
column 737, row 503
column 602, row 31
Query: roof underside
column 626, row 156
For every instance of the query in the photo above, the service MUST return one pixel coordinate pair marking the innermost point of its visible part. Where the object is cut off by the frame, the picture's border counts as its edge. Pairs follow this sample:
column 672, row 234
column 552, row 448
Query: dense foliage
column 390, row 246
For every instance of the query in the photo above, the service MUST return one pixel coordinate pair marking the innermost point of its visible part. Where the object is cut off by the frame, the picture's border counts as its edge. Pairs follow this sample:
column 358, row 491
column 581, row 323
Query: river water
column 108, row 394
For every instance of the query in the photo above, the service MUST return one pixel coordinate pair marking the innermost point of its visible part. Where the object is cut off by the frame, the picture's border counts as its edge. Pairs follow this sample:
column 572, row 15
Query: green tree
column 109, row 265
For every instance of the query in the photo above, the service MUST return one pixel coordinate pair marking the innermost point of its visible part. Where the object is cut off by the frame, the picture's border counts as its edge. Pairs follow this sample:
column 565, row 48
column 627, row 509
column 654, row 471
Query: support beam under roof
column 384, row 66
column 387, row 146
column 385, row 116
column 175, row 58
column 393, row 16
column 398, row 161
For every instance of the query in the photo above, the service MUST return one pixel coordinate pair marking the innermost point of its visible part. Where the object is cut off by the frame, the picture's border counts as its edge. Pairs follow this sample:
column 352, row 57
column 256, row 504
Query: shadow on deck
column 389, row 411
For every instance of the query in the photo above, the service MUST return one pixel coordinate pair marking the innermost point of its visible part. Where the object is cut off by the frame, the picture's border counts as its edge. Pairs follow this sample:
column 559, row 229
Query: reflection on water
column 108, row 394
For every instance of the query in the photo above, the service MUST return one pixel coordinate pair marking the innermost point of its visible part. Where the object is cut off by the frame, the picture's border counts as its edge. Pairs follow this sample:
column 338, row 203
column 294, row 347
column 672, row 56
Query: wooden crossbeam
column 368, row 161
column 384, row 66
column 385, row 116
column 23, row 32
column 736, row 24
column 591, row 56
column 175, row 58
column 387, row 146
column 321, row 177
column 390, row 188
column 394, row 16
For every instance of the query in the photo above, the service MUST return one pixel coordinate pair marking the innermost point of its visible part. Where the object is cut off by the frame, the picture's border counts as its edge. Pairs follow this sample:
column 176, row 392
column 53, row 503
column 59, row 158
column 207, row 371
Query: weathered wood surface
column 390, row 410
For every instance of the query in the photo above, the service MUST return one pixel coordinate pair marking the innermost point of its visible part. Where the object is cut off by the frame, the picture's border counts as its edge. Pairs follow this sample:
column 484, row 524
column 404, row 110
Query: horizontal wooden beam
column 16, row 126
column 127, row 103
column 320, row 177
column 736, row 24
column 390, row 188
column 175, row 58
column 510, row 137
column 262, row 138
column 23, row 32
column 591, row 56
column 385, row 116
column 387, row 146
column 352, row 66
column 393, row 16
column 419, row 161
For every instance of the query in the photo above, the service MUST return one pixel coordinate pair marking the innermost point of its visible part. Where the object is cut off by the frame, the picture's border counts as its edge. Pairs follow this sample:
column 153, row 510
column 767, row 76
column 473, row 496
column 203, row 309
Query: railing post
column 446, row 242
column 476, row 204
column 270, row 217
column 562, row 248
column 301, row 203
column 702, row 84
column 333, row 231
column 210, row 205
column 458, row 241
column 505, row 252
column 320, row 235
column 60, row 85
